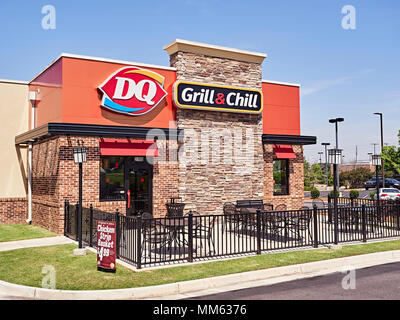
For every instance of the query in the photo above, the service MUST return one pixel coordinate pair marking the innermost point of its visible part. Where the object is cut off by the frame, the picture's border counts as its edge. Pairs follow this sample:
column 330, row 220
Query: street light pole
column 382, row 165
column 374, row 144
column 335, row 156
column 376, row 160
column 335, row 121
column 326, row 162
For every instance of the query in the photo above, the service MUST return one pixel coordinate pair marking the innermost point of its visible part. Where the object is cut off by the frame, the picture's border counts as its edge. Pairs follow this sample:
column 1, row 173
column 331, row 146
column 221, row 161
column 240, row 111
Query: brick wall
column 295, row 199
column 205, row 185
column 55, row 179
column 13, row 210
column 165, row 176
column 45, row 187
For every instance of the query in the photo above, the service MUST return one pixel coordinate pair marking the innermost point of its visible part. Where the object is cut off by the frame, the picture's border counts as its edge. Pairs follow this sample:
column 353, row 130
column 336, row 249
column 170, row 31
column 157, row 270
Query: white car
column 388, row 194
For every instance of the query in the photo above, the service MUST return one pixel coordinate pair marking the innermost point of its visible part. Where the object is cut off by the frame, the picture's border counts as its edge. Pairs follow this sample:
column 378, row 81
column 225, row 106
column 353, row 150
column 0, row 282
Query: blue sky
column 343, row 73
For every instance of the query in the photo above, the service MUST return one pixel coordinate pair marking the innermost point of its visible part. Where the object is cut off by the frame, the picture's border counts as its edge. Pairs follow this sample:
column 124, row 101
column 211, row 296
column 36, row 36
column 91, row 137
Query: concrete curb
column 202, row 286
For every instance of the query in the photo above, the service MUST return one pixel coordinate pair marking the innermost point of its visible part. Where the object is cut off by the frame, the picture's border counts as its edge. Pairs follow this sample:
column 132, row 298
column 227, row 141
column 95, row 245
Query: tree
column 355, row 178
column 313, row 174
column 391, row 158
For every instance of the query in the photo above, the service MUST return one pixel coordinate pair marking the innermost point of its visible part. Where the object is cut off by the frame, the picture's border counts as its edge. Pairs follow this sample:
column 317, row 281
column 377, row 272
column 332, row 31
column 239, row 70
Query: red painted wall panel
column 281, row 113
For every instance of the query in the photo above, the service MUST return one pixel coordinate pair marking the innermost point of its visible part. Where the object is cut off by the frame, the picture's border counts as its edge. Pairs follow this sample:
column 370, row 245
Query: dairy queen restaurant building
column 207, row 129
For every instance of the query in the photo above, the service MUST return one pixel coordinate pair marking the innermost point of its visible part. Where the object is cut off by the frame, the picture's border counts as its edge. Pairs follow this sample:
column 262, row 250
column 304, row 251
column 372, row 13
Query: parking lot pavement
column 373, row 283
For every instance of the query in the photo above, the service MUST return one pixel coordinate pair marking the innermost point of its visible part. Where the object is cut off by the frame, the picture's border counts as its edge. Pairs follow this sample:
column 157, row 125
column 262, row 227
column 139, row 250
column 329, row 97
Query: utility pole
column 355, row 164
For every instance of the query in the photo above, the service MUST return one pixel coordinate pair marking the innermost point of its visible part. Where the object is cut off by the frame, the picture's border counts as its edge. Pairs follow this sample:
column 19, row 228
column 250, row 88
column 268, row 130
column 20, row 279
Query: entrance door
column 139, row 186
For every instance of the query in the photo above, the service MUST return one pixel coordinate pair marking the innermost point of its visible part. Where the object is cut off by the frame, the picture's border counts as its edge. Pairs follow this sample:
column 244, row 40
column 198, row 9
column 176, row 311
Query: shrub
column 315, row 193
column 372, row 194
column 332, row 193
column 354, row 194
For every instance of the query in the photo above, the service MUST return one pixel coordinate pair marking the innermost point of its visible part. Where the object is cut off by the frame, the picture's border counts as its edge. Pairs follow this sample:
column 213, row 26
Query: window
column 112, row 178
column 281, row 177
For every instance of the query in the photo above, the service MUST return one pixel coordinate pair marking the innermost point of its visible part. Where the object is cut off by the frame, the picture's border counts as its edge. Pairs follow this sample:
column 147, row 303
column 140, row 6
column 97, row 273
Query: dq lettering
column 135, row 89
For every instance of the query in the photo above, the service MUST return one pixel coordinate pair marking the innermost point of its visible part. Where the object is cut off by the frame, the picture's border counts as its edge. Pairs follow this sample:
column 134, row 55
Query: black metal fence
column 144, row 241
column 356, row 202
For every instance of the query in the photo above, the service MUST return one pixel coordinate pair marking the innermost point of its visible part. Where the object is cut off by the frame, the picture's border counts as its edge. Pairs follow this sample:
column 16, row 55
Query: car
column 371, row 183
column 388, row 194
column 392, row 183
column 389, row 183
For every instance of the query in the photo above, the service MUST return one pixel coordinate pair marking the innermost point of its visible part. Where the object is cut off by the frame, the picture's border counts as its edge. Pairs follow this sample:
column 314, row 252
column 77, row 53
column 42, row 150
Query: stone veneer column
column 206, row 186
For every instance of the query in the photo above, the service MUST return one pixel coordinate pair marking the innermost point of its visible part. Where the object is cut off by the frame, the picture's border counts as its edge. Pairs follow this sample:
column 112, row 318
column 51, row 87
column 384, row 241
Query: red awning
column 128, row 147
column 284, row 152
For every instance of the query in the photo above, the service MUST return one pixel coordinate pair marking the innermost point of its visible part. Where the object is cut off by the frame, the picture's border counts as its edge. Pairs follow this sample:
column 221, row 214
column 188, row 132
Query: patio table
column 277, row 221
column 174, row 225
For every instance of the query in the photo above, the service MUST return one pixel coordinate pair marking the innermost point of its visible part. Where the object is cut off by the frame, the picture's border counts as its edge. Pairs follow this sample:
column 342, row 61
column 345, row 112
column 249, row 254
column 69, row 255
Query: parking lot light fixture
column 335, row 156
column 376, row 160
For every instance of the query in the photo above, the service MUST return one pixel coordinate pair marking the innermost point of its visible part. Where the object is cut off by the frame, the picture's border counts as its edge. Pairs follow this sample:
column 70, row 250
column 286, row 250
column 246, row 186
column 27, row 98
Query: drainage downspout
column 29, row 220
column 32, row 98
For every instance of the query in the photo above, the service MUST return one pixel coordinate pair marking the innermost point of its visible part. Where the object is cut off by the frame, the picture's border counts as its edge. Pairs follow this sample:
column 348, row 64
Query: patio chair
column 268, row 207
column 347, row 218
column 272, row 224
column 280, row 207
column 300, row 224
column 230, row 216
column 154, row 235
column 247, row 219
column 203, row 230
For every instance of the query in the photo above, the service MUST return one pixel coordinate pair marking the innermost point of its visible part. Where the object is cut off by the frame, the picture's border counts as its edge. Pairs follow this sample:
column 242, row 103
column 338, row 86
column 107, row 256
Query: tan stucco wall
column 14, row 113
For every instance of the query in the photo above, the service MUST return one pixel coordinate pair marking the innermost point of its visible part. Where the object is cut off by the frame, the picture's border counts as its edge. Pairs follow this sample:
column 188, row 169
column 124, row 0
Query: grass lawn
column 24, row 266
column 12, row 232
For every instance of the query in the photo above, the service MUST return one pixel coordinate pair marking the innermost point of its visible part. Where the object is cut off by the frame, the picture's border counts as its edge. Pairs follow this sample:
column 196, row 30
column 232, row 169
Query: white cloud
column 322, row 85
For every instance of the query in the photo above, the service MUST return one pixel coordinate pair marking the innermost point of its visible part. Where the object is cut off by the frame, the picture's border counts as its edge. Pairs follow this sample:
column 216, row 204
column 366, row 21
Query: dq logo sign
column 133, row 91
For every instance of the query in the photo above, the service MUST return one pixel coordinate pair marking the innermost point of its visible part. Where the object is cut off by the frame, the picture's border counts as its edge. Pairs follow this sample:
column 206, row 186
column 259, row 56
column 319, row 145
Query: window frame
column 123, row 197
column 287, row 178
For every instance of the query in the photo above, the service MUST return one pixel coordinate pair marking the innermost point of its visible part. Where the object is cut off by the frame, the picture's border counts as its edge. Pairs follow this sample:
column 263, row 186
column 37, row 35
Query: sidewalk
column 30, row 243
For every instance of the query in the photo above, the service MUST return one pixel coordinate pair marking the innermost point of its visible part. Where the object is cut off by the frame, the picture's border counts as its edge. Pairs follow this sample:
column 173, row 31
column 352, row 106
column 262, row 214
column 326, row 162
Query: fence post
column 398, row 214
column 258, row 231
column 329, row 209
column 364, row 223
column 139, row 242
column 65, row 216
column 77, row 221
column 91, row 225
column 315, row 218
column 190, row 235
column 118, row 232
